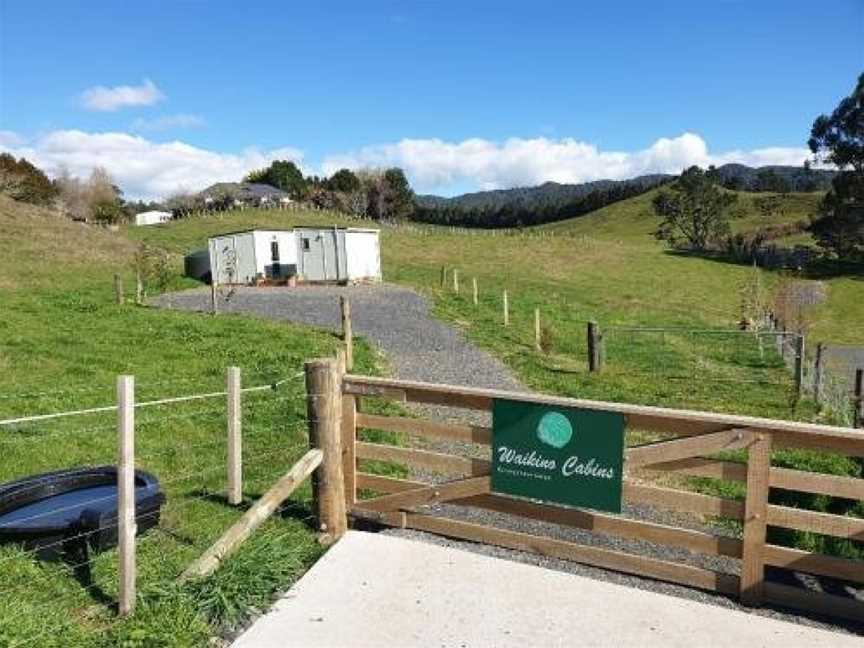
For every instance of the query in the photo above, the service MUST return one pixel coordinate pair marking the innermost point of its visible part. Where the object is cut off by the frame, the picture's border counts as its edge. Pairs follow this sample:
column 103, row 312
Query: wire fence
column 59, row 559
column 677, row 366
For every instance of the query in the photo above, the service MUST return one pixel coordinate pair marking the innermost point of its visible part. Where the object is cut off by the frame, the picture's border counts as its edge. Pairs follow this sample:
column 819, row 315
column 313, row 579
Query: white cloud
column 141, row 167
column 104, row 99
column 434, row 165
column 167, row 122
column 9, row 139
column 144, row 168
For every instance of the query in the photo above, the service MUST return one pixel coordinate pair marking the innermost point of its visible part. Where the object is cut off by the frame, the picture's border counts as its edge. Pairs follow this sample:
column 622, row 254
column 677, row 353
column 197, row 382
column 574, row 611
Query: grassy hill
column 604, row 266
column 634, row 218
column 63, row 342
column 632, row 223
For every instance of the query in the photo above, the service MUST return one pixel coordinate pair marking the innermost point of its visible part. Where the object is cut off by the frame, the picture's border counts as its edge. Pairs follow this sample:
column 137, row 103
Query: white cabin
column 336, row 254
column 152, row 217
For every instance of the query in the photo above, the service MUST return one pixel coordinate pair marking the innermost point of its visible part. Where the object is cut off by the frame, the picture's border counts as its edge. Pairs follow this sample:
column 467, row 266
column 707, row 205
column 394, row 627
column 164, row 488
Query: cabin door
column 318, row 250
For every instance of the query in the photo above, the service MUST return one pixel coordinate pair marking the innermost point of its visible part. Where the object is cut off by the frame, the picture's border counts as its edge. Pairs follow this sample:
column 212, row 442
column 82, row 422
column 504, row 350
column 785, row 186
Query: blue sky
column 464, row 95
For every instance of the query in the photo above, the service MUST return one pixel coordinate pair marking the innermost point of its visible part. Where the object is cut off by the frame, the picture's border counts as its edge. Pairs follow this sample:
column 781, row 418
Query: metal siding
column 342, row 255
column 244, row 246
column 232, row 258
column 363, row 255
column 334, row 254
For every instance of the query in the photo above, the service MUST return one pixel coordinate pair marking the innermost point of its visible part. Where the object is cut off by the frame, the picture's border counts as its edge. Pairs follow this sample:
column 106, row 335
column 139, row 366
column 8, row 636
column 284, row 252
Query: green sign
column 558, row 454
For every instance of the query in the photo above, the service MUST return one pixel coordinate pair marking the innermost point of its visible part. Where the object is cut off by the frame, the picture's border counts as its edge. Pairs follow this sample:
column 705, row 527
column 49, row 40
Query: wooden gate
column 692, row 438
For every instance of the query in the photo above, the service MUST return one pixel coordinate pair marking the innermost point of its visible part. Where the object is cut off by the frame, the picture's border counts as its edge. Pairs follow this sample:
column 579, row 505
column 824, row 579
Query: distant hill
column 548, row 192
column 551, row 201
column 526, row 206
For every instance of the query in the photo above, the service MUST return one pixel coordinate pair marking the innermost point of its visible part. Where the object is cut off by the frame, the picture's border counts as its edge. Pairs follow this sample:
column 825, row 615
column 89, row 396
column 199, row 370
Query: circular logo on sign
column 554, row 429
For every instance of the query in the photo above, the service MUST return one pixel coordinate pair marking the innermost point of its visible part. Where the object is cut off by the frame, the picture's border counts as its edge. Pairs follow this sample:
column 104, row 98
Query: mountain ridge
column 732, row 175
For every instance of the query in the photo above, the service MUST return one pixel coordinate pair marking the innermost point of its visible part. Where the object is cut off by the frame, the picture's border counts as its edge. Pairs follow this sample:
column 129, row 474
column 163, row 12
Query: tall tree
column 838, row 139
column 398, row 196
column 285, row 175
column 344, row 180
column 695, row 211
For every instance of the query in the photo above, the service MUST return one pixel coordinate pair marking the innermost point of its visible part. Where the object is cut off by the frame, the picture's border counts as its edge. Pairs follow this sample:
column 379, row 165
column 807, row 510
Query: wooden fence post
column 859, row 398
column 139, row 288
column 799, row 365
column 474, row 287
column 118, row 289
column 324, row 407
column 126, row 530
column 347, row 332
column 349, row 440
column 818, row 373
column 235, row 437
column 214, row 302
column 755, row 514
column 455, row 280
column 594, row 354
column 443, row 276
column 537, row 346
column 506, row 310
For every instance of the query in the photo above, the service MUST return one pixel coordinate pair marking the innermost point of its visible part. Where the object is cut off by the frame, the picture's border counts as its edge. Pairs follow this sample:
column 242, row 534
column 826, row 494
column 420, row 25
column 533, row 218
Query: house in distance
column 152, row 217
column 302, row 254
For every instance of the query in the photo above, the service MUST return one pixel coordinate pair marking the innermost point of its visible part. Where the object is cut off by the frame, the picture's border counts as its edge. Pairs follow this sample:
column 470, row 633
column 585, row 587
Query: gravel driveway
column 418, row 347
column 396, row 319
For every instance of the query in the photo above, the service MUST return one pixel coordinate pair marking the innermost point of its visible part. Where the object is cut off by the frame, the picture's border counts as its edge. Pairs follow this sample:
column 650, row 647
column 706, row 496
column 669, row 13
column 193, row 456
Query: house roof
column 243, row 191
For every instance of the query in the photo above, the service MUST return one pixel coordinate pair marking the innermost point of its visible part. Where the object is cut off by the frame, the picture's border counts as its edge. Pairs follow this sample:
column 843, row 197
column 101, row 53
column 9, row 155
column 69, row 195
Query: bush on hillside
column 23, row 181
column 154, row 267
column 96, row 199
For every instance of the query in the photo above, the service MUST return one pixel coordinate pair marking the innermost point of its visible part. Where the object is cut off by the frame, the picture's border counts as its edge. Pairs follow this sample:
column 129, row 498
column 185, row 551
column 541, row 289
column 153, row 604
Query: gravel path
column 396, row 319
column 418, row 347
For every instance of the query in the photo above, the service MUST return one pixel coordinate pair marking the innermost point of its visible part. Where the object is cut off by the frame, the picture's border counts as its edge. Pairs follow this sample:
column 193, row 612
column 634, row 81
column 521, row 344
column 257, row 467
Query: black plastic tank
column 46, row 512
column 197, row 265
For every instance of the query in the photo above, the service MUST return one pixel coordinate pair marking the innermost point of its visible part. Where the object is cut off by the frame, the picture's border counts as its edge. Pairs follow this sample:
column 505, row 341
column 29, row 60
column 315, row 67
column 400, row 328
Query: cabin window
column 274, row 251
column 305, row 244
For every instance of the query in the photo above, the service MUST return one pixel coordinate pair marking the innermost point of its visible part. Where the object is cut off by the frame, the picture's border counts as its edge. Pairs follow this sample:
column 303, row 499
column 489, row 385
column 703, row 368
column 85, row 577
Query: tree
column 838, row 139
column 344, row 180
column 257, row 176
column 23, row 181
column 284, row 175
column 398, row 196
column 695, row 212
column 104, row 197
column 770, row 180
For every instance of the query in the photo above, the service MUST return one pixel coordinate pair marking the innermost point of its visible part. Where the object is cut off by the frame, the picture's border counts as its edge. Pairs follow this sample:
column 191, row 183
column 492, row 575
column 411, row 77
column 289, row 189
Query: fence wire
column 59, row 586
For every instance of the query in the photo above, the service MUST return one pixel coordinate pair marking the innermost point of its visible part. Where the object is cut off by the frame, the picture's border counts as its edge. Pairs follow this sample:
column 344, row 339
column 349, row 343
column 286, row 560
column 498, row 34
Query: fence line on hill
column 212, row 452
column 414, row 227
column 693, row 357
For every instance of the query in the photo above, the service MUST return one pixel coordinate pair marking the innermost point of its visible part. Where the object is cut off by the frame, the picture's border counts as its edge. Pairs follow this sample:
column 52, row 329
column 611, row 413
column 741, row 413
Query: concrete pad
column 378, row 590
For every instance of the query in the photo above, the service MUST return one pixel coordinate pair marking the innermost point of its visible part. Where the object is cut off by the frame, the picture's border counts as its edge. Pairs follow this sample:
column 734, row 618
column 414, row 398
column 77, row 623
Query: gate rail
column 696, row 436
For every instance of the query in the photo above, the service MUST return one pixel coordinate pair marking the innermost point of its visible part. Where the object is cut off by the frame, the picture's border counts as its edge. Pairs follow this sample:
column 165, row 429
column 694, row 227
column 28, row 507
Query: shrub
column 154, row 266
column 23, row 181
column 547, row 338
